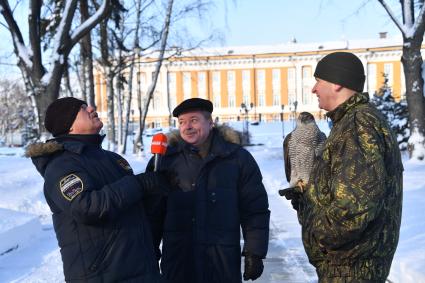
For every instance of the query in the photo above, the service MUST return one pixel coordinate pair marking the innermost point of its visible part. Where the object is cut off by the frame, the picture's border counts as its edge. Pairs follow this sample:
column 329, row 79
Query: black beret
column 342, row 68
column 193, row 104
column 60, row 115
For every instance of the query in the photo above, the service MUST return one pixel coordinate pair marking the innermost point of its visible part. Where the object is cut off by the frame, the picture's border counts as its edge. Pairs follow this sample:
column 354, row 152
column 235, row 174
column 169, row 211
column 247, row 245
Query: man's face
column 87, row 122
column 326, row 94
column 194, row 127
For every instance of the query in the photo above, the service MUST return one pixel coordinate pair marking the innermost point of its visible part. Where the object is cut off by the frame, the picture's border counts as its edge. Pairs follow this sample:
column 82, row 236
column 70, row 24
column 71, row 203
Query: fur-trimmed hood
column 227, row 133
column 41, row 154
column 43, row 148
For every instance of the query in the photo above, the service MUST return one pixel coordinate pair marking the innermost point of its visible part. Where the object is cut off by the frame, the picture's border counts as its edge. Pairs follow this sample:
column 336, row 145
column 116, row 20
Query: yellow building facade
column 271, row 81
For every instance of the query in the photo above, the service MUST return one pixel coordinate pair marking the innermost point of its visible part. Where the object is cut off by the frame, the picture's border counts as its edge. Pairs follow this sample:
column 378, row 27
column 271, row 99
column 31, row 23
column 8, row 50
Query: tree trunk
column 127, row 108
column 110, row 109
column 87, row 59
column 138, row 141
column 164, row 40
column 67, row 82
column 412, row 64
column 120, row 110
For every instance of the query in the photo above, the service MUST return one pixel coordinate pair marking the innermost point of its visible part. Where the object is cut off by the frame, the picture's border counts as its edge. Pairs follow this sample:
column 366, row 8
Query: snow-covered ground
column 29, row 252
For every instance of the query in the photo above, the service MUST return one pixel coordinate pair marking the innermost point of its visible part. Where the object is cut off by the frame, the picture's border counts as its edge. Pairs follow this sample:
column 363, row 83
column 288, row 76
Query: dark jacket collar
column 339, row 112
column 42, row 153
column 76, row 143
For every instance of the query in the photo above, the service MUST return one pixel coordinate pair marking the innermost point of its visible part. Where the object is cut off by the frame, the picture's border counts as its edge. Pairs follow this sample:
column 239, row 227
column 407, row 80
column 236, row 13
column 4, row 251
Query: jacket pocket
column 106, row 249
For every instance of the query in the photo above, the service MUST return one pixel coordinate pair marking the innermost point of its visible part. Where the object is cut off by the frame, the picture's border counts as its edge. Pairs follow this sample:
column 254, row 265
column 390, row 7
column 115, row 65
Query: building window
column 232, row 100
column 276, row 87
column 156, row 101
column 403, row 83
column 202, row 86
column 172, row 88
column 371, row 78
column 246, row 86
column 142, row 83
column 261, row 80
column 216, row 89
column 388, row 71
column 261, row 98
column 292, row 86
column 261, row 87
column 217, row 101
column 276, row 98
column 306, row 85
column 231, row 88
column 187, row 85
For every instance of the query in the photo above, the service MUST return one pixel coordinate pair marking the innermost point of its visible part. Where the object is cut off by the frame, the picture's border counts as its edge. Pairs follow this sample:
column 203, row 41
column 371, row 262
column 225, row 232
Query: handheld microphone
column 158, row 149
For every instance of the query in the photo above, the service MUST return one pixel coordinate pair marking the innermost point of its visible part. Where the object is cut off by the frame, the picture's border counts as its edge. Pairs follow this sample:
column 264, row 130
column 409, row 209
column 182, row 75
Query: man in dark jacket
column 352, row 205
column 95, row 198
column 219, row 190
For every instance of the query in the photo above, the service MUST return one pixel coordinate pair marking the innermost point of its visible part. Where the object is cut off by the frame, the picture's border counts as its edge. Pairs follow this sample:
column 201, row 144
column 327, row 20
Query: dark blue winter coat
column 98, row 216
column 203, row 216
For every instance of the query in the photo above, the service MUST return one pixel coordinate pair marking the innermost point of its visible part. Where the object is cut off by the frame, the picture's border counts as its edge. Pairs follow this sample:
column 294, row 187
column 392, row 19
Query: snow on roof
column 295, row 47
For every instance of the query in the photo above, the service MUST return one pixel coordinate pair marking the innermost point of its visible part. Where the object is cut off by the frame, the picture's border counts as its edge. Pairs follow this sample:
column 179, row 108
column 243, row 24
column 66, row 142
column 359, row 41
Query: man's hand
column 293, row 195
column 253, row 267
column 154, row 183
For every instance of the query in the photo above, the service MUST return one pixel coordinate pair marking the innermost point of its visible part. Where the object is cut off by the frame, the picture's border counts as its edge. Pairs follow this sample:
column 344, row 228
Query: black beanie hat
column 342, row 68
column 60, row 115
column 192, row 104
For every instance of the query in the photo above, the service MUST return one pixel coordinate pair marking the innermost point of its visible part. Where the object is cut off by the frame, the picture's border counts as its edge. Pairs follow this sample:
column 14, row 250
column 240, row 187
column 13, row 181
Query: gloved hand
column 253, row 267
column 154, row 183
column 293, row 195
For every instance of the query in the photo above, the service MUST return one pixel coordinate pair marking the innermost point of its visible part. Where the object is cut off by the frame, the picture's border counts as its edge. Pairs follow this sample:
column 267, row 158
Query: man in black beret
column 219, row 190
column 351, row 210
column 95, row 199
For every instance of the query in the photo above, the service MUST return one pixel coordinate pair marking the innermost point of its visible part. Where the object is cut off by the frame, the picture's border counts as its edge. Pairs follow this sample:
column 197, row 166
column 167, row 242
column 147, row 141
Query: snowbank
column 17, row 229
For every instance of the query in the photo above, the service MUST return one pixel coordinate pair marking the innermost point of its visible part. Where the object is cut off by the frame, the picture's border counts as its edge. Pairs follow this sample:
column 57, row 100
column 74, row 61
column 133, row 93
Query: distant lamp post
column 282, row 118
column 245, row 130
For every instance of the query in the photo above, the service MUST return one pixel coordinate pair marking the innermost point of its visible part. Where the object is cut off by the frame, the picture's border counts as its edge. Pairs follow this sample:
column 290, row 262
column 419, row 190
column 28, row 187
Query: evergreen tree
column 395, row 112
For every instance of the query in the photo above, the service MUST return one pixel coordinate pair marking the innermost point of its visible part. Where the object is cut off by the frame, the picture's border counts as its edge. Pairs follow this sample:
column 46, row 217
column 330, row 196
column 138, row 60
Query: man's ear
column 337, row 87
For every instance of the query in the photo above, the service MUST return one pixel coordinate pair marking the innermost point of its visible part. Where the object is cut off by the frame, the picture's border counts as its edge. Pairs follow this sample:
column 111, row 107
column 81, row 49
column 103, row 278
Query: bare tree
column 412, row 28
column 86, row 54
column 42, row 77
column 15, row 108
column 151, row 90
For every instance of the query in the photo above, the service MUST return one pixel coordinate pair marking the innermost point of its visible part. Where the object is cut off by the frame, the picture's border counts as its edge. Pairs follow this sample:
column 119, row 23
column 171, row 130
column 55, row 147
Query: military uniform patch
column 124, row 164
column 71, row 186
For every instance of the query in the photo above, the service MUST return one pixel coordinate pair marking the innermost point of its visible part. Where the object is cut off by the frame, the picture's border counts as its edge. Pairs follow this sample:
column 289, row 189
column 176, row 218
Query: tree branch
column 61, row 38
column 87, row 25
column 20, row 49
column 419, row 22
column 35, row 38
column 391, row 14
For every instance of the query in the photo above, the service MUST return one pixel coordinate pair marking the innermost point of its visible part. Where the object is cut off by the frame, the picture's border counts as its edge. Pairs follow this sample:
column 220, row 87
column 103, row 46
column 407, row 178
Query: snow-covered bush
column 396, row 112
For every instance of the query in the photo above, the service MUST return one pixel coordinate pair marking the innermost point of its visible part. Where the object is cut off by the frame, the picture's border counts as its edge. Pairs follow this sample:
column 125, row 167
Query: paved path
column 286, row 259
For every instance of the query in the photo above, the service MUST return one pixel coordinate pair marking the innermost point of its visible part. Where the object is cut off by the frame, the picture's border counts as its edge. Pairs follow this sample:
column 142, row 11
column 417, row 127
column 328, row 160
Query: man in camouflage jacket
column 351, row 209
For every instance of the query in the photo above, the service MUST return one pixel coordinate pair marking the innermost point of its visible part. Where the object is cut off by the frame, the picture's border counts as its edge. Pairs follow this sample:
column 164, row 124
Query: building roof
column 295, row 47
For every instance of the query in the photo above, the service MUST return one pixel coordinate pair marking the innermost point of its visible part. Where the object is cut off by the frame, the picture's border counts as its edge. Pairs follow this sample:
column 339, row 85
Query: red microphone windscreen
column 159, row 144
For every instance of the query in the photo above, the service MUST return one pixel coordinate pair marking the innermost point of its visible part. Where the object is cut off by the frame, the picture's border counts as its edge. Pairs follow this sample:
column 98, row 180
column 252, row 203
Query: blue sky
column 257, row 22
column 261, row 22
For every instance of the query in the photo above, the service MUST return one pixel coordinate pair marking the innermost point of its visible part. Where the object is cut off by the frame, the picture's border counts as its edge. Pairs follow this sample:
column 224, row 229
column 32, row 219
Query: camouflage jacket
column 351, row 210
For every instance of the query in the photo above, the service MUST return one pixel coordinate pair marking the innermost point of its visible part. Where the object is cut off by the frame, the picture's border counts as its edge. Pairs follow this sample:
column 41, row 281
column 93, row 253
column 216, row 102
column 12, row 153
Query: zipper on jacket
column 99, row 259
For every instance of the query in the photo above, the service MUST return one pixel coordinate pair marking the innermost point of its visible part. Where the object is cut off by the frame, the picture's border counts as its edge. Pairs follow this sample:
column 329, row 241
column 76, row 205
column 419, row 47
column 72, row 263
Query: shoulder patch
column 124, row 164
column 71, row 186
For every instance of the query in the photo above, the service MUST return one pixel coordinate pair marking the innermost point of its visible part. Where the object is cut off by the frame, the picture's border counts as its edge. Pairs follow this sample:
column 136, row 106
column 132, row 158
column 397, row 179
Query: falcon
column 300, row 148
